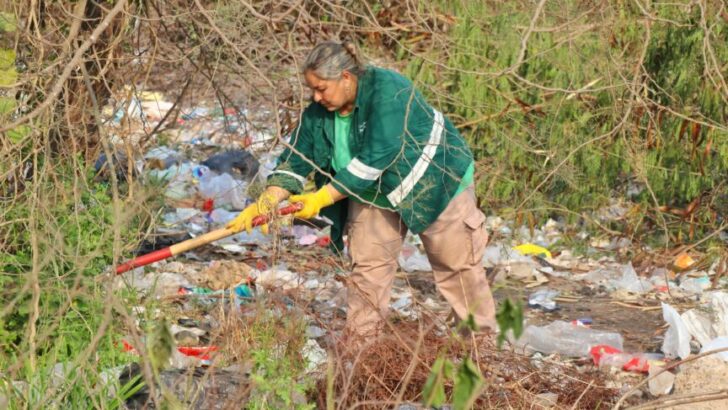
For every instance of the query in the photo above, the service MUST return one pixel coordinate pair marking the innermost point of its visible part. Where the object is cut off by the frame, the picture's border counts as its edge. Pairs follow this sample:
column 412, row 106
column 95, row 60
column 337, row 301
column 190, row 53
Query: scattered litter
column 122, row 166
column 180, row 215
column 204, row 195
column 239, row 160
column 684, row 261
column 715, row 344
column 186, row 338
column 604, row 355
column 179, row 180
column 566, row 339
column 698, row 325
column 631, row 282
column 311, row 283
column 221, row 216
column 277, row 277
column 616, row 210
column 161, row 157
column 223, row 274
column 176, row 328
column 695, row 285
column 403, row 305
column 662, row 384
column 500, row 254
column 226, row 191
column 546, row 400
column 233, row 247
column 315, row 356
column 160, row 285
column 677, row 337
column 411, row 259
column 314, row 332
column 531, row 249
column 239, row 294
column 305, row 235
column 544, row 300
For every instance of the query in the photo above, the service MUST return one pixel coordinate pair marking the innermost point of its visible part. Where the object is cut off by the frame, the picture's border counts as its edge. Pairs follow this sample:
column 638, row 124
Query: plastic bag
column 544, row 299
column 224, row 190
column 677, row 337
column 715, row 344
column 631, row 282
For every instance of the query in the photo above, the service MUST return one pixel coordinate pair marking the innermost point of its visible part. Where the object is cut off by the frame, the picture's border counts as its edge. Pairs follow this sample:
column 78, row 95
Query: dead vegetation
column 394, row 368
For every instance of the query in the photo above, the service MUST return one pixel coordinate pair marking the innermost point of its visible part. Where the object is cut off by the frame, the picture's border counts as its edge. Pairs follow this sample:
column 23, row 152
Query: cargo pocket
column 478, row 237
column 372, row 238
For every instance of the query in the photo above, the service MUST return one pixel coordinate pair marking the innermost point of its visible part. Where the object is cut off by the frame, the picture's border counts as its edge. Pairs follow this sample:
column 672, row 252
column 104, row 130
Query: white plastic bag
column 715, row 344
column 677, row 337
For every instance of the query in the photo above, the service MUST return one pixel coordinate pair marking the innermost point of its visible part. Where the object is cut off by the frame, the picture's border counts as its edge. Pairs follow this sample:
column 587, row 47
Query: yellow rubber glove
column 312, row 203
column 265, row 204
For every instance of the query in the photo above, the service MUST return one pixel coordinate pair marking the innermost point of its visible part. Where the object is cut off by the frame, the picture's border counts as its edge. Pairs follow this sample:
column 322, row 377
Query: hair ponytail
column 329, row 59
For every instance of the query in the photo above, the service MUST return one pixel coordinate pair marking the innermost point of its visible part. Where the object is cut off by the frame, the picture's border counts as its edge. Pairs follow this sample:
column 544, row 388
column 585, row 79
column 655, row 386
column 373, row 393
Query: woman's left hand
column 312, row 203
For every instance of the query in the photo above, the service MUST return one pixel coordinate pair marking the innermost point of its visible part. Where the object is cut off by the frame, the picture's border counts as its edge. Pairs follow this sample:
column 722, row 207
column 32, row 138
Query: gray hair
column 329, row 59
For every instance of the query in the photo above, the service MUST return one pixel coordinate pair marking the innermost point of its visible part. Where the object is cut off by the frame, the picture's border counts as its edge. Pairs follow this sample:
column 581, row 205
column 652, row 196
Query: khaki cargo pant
column 454, row 243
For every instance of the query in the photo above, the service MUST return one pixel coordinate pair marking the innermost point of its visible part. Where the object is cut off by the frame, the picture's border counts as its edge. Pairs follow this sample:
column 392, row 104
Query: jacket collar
column 363, row 87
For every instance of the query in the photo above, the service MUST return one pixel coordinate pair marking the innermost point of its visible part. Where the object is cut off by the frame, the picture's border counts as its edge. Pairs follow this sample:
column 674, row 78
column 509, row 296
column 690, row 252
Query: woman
column 384, row 161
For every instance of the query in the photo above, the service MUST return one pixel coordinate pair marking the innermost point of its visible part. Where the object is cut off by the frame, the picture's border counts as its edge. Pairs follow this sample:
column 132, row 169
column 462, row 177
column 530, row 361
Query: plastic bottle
column 566, row 339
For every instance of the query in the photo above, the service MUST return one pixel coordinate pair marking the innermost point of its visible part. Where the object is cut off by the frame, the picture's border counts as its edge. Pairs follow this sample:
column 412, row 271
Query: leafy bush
column 599, row 103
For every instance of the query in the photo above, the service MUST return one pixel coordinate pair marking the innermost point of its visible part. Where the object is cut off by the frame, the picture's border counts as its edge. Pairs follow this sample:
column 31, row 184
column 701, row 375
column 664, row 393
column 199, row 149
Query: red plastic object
column 633, row 364
column 208, row 205
column 261, row 265
column 127, row 347
column 200, row 352
column 323, row 241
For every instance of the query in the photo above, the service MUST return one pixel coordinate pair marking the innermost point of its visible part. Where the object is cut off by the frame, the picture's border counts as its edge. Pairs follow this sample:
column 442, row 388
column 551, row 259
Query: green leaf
column 8, row 74
column 468, row 385
column 434, row 391
column 18, row 134
column 8, row 22
column 509, row 317
column 469, row 323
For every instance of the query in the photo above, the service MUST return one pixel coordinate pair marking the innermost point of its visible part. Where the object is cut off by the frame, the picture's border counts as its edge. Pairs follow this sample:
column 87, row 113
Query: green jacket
column 400, row 144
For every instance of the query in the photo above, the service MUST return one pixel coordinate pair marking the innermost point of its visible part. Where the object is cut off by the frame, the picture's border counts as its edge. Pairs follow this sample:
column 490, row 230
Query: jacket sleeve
column 294, row 165
column 385, row 135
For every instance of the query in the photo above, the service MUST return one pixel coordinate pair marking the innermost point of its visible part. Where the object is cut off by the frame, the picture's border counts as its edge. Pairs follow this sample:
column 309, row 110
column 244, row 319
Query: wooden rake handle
column 193, row 243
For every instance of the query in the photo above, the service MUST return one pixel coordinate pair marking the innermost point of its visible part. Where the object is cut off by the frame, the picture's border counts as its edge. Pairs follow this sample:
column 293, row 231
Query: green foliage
column 433, row 393
column 278, row 373
column 62, row 242
column 61, row 374
column 8, row 77
column 543, row 143
column 467, row 384
column 509, row 318
column 160, row 345
column 8, row 22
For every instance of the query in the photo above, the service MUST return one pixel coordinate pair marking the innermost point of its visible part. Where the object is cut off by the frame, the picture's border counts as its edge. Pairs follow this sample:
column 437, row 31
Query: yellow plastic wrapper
column 531, row 249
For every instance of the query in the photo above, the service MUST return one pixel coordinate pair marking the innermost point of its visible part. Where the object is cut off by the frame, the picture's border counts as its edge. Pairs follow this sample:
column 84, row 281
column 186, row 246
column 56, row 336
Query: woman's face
column 332, row 94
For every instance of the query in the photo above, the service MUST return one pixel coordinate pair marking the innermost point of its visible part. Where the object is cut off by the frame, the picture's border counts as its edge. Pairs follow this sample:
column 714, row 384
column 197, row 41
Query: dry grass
column 395, row 367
